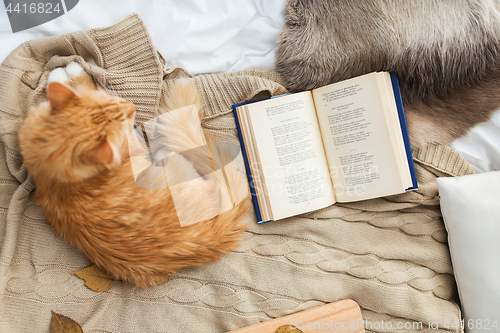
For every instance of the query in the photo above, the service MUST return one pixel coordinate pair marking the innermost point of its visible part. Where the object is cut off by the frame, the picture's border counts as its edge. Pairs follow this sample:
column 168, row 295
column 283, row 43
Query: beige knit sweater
column 389, row 254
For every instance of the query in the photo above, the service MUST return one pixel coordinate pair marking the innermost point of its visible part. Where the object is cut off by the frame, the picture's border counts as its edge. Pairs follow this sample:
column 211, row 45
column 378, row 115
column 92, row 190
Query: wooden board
column 339, row 317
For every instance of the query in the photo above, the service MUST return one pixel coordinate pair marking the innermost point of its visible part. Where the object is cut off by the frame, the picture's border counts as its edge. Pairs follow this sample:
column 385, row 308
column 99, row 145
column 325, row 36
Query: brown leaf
column 63, row 324
column 95, row 278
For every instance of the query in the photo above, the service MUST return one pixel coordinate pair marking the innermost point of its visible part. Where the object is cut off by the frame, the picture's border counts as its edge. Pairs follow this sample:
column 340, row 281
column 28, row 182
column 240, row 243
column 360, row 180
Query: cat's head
column 76, row 133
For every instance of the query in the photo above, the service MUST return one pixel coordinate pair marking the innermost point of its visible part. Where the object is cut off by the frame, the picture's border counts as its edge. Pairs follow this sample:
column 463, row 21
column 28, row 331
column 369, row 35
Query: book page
column 357, row 139
column 392, row 117
column 294, row 166
column 253, row 165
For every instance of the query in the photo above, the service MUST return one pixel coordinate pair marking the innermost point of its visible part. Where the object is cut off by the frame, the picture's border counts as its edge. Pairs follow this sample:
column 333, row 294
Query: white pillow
column 471, row 212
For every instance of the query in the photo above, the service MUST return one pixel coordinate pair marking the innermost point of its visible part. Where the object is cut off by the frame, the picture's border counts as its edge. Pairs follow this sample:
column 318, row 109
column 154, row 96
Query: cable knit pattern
column 389, row 254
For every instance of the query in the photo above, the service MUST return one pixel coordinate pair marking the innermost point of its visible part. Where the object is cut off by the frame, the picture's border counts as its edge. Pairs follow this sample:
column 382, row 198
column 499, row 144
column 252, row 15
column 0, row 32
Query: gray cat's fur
column 446, row 55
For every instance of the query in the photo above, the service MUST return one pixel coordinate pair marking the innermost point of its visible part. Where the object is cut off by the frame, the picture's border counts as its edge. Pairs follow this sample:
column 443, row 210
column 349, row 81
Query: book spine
column 404, row 129
column 247, row 165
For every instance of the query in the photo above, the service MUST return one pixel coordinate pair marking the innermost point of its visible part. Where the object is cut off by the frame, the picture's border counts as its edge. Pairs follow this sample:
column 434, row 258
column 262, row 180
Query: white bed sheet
column 199, row 35
column 481, row 146
column 216, row 36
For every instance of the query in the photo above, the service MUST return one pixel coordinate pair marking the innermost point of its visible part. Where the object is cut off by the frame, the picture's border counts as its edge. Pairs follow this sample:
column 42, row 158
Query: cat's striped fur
column 75, row 147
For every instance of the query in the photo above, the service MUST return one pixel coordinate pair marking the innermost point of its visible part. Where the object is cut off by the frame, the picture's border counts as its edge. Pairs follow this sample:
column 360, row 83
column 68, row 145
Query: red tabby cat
column 75, row 147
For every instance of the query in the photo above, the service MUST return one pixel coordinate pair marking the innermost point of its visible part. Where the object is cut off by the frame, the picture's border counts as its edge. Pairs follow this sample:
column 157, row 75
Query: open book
column 344, row 142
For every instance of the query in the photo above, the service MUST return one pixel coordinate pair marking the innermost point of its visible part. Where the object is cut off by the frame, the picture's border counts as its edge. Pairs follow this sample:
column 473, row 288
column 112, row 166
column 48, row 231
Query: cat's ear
column 101, row 155
column 59, row 95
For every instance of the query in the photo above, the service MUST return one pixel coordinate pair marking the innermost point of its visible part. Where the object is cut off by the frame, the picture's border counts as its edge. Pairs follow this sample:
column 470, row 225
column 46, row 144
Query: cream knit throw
column 390, row 254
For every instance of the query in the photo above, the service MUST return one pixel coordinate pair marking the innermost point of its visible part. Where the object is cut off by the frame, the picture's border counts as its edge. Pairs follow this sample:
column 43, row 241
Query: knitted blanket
column 390, row 254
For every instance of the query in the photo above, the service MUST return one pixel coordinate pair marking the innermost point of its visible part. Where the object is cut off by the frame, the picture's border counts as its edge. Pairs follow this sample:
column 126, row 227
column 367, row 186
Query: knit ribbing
column 134, row 70
column 442, row 158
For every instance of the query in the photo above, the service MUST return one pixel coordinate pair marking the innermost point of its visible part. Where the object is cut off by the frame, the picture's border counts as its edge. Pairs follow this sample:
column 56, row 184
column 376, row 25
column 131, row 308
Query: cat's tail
column 184, row 93
column 221, row 181
column 180, row 131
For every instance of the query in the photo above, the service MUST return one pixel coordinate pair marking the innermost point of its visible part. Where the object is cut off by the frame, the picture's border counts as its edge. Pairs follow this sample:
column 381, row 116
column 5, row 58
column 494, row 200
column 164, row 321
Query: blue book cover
column 404, row 129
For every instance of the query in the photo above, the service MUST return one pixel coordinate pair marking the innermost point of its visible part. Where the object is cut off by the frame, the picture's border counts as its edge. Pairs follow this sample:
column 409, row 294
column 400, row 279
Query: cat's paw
column 58, row 75
column 78, row 76
column 74, row 69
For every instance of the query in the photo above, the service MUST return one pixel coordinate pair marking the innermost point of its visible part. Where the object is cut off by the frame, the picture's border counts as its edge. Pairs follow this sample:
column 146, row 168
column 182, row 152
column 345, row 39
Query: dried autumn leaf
column 63, row 324
column 288, row 329
column 95, row 278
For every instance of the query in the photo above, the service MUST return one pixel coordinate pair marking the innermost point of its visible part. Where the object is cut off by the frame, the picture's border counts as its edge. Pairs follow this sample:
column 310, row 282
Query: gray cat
column 446, row 54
